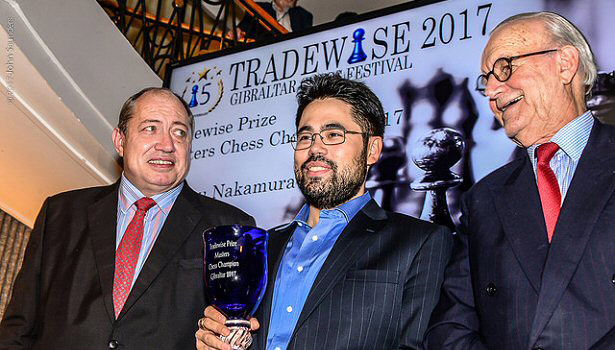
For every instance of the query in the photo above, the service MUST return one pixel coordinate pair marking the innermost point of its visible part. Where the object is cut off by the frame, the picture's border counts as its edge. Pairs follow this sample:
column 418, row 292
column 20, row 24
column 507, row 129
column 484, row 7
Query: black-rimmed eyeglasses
column 502, row 70
column 329, row 137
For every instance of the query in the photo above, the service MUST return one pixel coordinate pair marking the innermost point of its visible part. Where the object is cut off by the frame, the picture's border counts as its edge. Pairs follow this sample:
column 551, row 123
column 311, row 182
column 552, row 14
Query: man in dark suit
column 104, row 271
column 345, row 274
column 292, row 17
column 534, row 263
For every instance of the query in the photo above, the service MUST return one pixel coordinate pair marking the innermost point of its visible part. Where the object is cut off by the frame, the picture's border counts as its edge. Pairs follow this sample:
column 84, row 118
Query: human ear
column 118, row 141
column 374, row 149
column 568, row 63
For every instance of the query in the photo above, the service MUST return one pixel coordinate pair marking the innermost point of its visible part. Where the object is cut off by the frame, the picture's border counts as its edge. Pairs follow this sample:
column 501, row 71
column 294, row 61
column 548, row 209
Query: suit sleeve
column 19, row 325
column 607, row 342
column 422, row 287
column 454, row 323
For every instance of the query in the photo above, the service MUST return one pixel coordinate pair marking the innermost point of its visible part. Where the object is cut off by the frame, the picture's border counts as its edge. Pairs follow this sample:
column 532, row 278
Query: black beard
column 339, row 189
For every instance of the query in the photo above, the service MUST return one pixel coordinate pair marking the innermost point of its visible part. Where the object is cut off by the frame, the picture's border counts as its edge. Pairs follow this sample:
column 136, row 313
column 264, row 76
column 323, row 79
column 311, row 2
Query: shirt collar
column 344, row 212
column 129, row 194
column 572, row 138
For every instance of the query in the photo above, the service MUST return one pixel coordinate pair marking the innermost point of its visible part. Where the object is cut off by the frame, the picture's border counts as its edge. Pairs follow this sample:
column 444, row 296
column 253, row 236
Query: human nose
column 166, row 143
column 493, row 86
column 318, row 146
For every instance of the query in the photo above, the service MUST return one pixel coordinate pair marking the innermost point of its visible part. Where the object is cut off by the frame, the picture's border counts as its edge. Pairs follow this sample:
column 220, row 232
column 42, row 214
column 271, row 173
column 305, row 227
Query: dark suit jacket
column 62, row 297
column 376, row 288
column 300, row 19
column 506, row 288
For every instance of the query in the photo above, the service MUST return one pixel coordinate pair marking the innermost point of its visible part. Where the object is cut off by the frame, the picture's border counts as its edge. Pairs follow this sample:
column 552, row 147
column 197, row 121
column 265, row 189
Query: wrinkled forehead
column 515, row 38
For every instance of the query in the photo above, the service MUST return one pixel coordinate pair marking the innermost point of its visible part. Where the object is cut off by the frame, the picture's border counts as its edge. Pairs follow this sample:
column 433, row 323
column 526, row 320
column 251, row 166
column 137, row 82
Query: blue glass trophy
column 235, row 276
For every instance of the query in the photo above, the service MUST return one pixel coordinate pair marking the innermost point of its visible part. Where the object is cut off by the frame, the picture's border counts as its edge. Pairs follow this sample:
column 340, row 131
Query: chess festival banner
column 420, row 58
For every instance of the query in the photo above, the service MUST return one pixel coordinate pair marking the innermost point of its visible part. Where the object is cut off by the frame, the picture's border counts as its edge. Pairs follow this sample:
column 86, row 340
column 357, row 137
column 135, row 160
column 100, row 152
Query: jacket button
column 613, row 279
column 491, row 289
column 113, row 344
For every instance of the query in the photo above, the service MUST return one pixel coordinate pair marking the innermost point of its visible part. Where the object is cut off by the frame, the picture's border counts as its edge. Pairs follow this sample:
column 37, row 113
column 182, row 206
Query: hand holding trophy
column 235, row 275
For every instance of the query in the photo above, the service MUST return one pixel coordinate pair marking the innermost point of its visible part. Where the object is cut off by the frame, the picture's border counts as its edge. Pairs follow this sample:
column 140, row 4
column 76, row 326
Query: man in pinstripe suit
column 345, row 274
column 528, row 271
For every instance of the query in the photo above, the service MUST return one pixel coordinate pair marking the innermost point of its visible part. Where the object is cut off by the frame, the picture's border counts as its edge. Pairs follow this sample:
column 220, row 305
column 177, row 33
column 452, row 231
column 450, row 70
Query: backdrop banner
column 422, row 59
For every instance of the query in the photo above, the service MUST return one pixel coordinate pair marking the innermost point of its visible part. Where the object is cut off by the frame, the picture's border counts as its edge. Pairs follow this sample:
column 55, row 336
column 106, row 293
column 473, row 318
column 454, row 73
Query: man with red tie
column 120, row 266
column 534, row 262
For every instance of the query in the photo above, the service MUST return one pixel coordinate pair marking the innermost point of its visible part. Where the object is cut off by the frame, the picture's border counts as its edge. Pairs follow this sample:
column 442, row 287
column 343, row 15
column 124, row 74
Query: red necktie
column 127, row 255
column 550, row 195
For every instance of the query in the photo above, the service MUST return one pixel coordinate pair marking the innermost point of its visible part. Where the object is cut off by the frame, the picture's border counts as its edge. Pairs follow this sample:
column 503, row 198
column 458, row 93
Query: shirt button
column 289, row 309
column 299, row 268
column 314, row 238
column 277, row 348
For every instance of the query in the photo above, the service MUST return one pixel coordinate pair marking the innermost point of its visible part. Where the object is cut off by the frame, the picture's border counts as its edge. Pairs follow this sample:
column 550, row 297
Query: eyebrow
column 181, row 123
column 328, row 126
column 159, row 122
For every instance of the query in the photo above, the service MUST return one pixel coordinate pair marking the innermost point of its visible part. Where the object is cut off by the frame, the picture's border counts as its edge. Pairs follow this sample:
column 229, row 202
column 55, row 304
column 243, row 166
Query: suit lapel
column 351, row 244
column 591, row 187
column 102, row 222
column 275, row 251
column 518, row 206
column 178, row 226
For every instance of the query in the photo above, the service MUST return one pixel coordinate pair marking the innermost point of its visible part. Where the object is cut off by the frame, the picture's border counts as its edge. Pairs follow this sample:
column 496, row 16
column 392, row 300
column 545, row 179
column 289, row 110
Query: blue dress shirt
column 571, row 139
column 303, row 257
column 154, row 218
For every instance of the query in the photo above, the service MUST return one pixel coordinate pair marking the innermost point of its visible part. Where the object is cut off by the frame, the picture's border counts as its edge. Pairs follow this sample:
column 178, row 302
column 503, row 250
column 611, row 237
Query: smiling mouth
column 318, row 164
column 510, row 103
column 317, row 168
column 160, row 162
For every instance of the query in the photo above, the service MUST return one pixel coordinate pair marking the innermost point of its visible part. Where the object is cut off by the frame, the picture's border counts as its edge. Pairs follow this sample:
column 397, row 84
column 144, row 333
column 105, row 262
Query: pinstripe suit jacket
column 376, row 288
column 506, row 288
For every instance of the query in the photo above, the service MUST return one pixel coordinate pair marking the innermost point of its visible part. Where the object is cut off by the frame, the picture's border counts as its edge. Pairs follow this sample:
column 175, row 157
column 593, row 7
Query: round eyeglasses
column 334, row 136
column 502, row 70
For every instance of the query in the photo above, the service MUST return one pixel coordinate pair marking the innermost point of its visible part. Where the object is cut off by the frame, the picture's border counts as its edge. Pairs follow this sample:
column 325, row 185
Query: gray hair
column 563, row 32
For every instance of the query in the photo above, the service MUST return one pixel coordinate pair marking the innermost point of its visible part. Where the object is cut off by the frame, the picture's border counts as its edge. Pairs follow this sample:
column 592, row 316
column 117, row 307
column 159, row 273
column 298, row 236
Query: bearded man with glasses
column 344, row 274
column 534, row 260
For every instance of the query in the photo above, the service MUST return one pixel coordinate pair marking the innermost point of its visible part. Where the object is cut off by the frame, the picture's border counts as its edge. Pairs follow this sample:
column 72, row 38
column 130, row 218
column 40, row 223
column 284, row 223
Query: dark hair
column 128, row 108
column 367, row 110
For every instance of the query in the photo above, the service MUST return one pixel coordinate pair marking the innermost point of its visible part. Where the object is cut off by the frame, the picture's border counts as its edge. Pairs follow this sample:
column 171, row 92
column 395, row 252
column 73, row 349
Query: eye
column 180, row 133
column 304, row 137
column 149, row 128
column 334, row 134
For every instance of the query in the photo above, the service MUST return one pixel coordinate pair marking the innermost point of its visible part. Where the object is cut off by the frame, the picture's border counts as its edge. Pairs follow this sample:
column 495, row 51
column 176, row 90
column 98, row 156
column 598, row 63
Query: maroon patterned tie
column 127, row 255
column 550, row 195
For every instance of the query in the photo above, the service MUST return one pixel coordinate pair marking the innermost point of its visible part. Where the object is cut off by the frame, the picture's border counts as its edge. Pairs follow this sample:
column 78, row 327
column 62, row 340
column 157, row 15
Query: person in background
column 292, row 17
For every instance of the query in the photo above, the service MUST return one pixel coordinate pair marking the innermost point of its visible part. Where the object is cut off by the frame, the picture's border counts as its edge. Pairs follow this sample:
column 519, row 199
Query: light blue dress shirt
column 571, row 139
column 154, row 218
column 303, row 257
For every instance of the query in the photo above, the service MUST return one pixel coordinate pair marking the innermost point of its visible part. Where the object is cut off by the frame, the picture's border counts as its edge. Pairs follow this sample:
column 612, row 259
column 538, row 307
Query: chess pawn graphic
column 436, row 153
column 193, row 101
column 358, row 55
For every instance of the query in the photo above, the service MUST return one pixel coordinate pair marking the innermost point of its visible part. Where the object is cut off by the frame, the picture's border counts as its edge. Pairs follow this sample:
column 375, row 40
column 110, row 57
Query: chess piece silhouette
column 358, row 55
column 193, row 101
column 436, row 153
